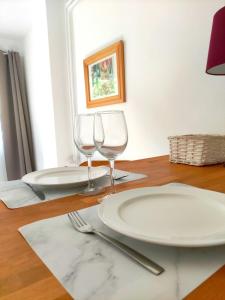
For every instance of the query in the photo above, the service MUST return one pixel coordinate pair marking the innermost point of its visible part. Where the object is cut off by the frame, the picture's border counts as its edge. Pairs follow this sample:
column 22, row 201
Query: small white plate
column 64, row 176
column 174, row 216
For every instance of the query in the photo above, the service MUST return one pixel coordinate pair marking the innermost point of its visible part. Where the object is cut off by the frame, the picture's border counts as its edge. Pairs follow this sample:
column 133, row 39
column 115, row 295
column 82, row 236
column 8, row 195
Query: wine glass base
column 91, row 191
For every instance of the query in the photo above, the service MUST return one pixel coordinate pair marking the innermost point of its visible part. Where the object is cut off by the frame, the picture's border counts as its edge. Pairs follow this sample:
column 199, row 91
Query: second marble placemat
column 91, row 269
column 17, row 194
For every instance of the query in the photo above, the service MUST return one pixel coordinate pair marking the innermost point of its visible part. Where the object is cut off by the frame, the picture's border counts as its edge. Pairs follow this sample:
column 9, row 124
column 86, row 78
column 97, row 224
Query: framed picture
column 104, row 76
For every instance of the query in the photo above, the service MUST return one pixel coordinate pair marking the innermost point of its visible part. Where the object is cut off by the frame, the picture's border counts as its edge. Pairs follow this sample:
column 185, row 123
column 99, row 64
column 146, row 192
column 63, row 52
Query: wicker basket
column 197, row 149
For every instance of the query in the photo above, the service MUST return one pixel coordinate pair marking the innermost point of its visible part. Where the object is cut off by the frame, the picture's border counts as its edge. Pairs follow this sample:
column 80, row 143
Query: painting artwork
column 104, row 76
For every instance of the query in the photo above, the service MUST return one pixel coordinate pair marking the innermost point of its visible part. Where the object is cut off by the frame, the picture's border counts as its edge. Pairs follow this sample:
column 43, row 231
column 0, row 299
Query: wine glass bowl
column 83, row 134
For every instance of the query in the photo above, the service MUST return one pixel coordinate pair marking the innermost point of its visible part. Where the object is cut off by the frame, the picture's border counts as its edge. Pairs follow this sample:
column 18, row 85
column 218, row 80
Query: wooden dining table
column 24, row 276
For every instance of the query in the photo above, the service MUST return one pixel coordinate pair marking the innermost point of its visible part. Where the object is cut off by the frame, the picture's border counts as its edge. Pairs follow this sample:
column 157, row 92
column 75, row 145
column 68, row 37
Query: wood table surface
column 23, row 275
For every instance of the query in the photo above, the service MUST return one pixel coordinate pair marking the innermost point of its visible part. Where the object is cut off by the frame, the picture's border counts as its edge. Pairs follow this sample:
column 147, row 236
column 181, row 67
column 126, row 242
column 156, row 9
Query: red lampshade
column 216, row 55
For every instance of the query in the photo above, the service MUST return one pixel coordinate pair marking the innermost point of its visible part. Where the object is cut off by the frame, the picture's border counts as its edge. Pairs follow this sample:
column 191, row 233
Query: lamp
column 216, row 55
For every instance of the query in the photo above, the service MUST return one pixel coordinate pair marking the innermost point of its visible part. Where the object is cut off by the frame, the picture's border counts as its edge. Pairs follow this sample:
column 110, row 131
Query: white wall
column 39, row 87
column 39, row 36
column 166, row 45
column 58, row 62
column 15, row 44
column 45, row 67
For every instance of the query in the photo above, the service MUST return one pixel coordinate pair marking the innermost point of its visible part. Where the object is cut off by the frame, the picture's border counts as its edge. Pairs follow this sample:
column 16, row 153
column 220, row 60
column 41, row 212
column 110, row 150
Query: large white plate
column 64, row 176
column 174, row 216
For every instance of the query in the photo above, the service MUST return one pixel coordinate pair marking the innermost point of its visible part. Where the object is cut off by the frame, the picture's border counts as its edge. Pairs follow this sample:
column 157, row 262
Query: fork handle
column 138, row 257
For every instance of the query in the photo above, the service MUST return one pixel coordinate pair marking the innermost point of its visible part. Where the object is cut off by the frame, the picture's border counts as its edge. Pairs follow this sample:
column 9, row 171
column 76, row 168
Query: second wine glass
column 110, row 136
column 84, row 141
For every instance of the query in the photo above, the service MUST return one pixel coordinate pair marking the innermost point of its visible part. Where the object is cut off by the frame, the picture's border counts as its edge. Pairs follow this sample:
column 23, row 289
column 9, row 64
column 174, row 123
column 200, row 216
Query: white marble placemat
column 17, row 194
column 91, row 269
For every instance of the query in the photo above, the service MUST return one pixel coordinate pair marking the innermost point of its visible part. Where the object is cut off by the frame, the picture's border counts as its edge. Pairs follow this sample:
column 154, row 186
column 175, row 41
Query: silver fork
column 82, row 226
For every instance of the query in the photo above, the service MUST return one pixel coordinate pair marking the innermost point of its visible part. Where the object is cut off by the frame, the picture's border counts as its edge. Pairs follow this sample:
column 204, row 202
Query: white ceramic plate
column 174, row 216
column 64, row 176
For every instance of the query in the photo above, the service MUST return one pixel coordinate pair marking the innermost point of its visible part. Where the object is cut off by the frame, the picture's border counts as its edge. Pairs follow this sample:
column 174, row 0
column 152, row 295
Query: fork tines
column 76, row 218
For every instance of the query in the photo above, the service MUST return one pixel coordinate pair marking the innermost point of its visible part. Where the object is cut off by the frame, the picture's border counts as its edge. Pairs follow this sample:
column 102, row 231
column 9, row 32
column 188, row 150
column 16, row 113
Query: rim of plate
column 30, row 177
column 191, row 242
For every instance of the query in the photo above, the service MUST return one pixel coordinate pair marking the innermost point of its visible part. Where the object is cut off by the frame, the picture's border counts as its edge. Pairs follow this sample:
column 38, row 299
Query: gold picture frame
column 104, row 76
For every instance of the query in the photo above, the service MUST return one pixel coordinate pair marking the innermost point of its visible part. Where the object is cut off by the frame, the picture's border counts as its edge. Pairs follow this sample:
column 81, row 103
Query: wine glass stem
column 112, row 163
column 90, row 183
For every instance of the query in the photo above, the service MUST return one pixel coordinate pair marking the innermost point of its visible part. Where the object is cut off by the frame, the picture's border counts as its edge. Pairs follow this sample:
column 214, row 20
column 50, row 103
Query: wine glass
column 84, row 141
column 110, row 137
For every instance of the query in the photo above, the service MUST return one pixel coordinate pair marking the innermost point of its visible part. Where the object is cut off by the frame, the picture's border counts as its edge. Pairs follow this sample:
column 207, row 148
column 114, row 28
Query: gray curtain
column 15, row 120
